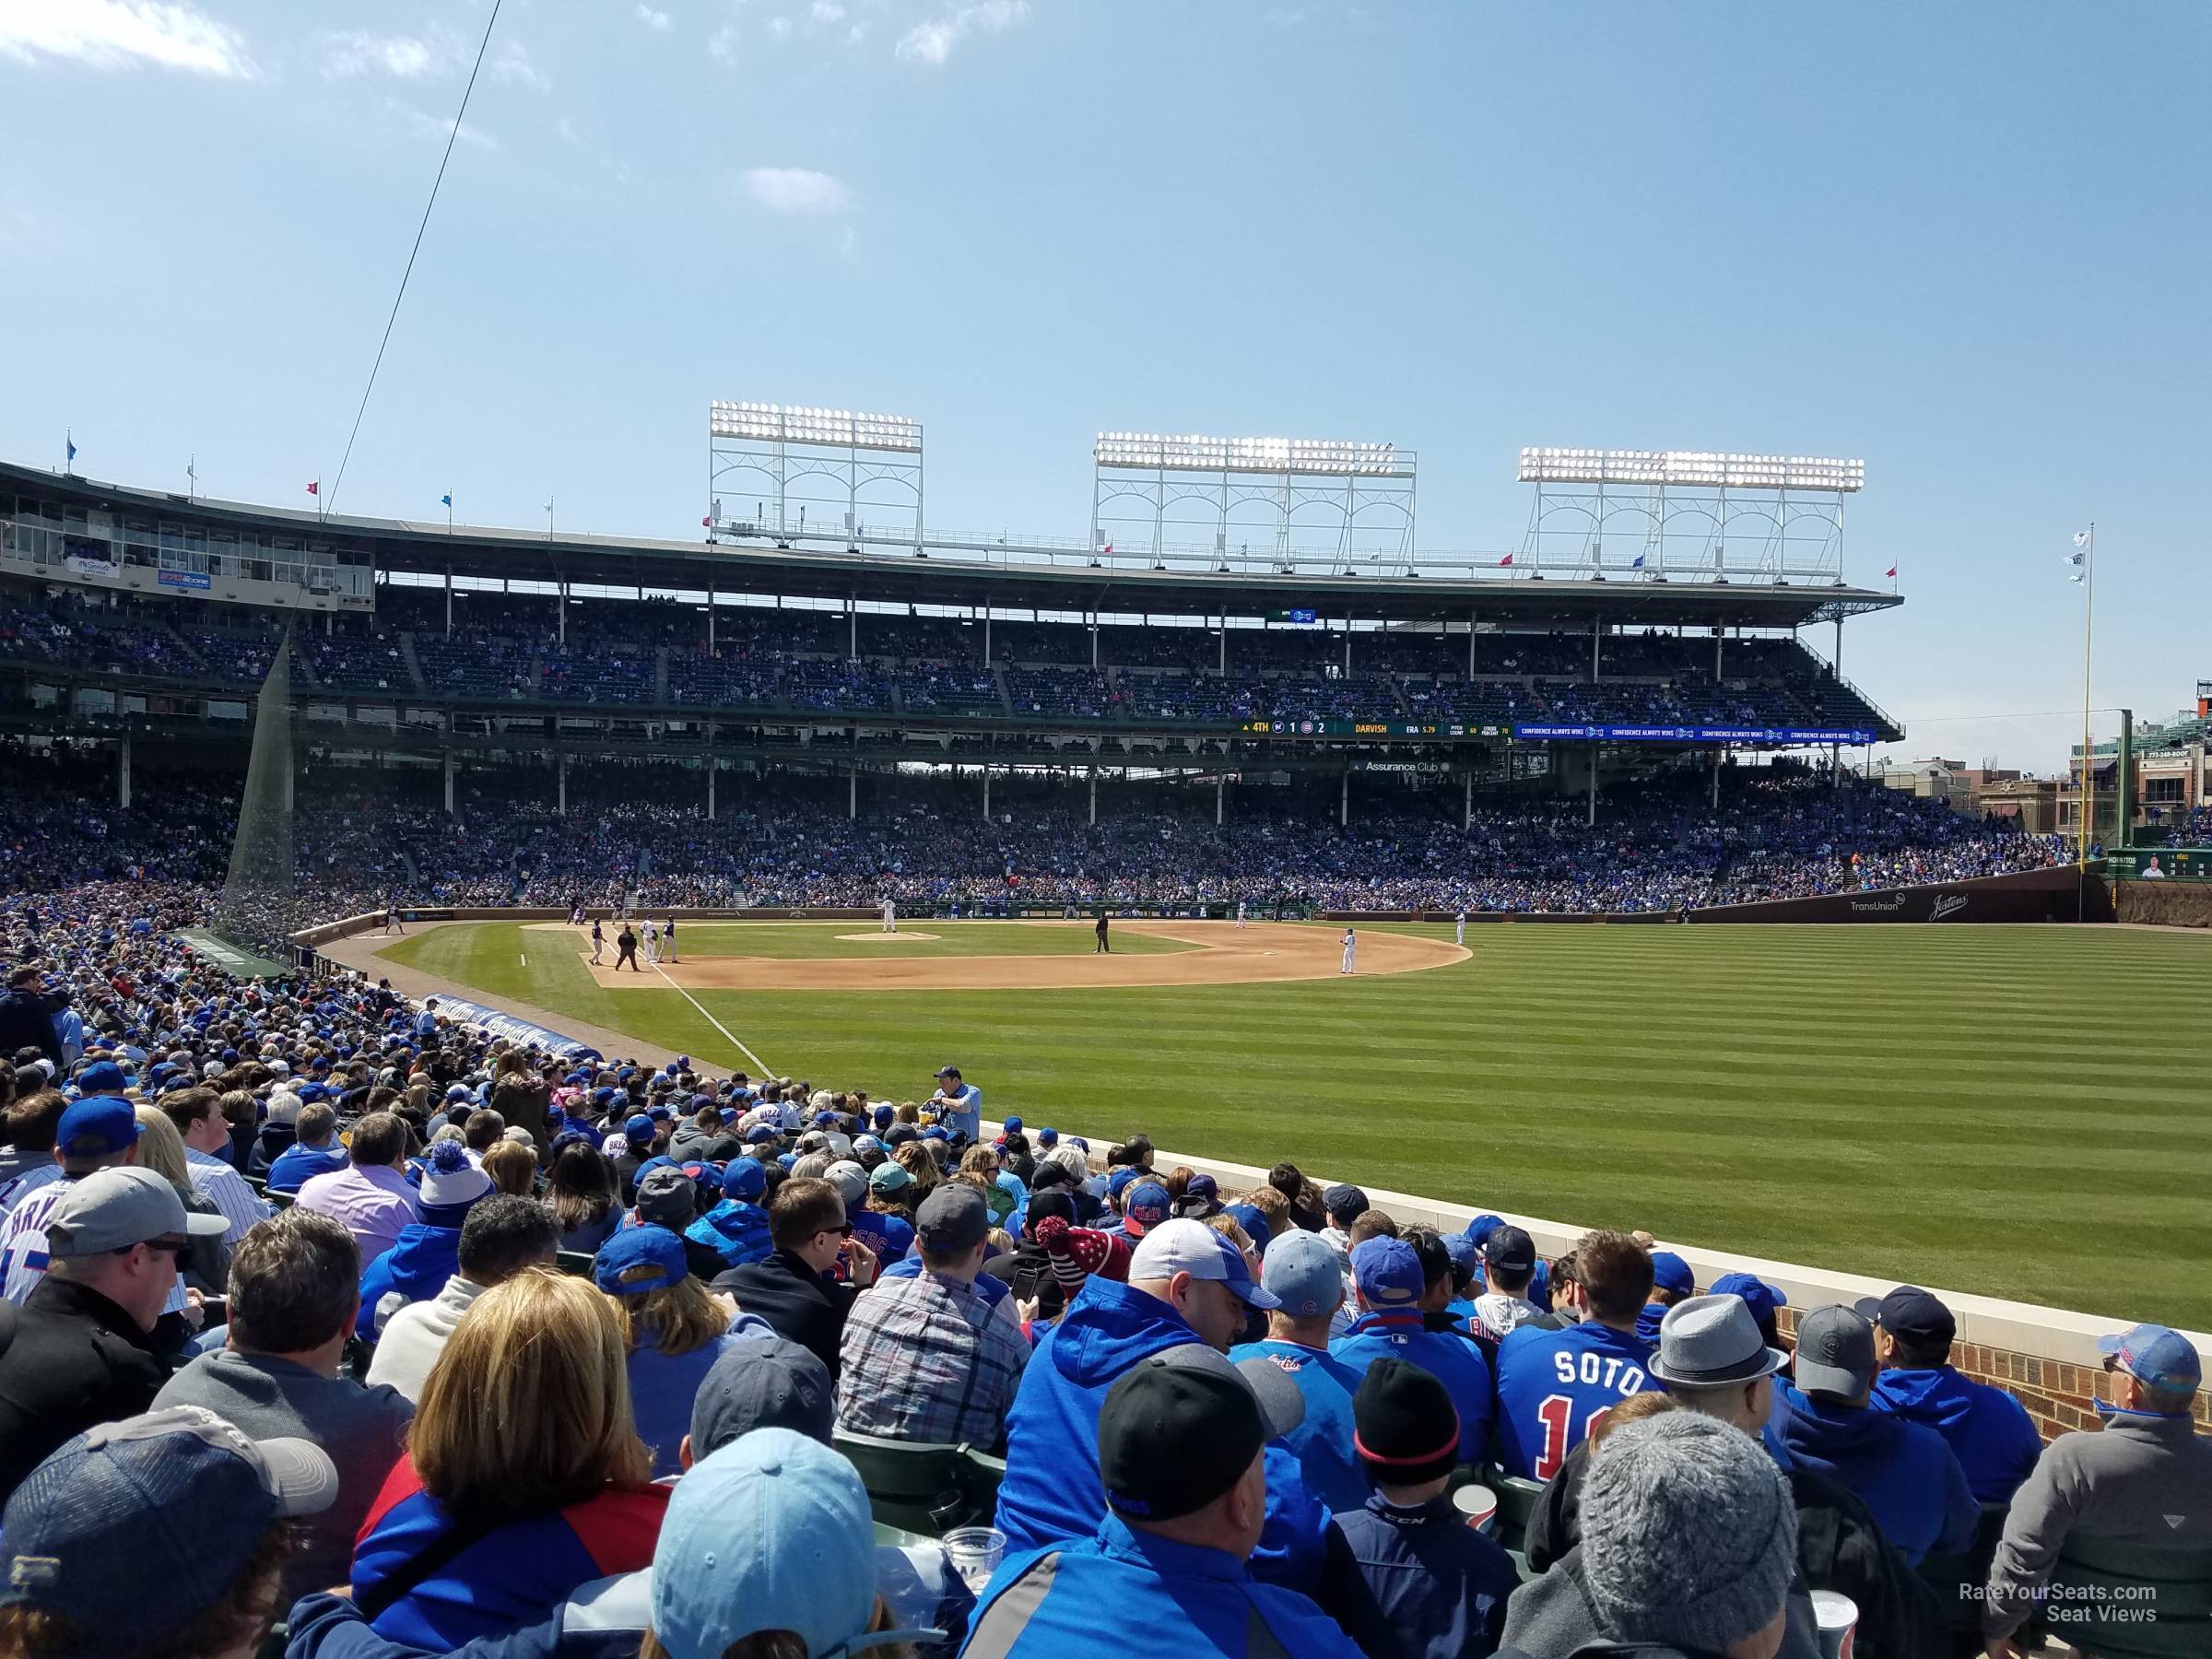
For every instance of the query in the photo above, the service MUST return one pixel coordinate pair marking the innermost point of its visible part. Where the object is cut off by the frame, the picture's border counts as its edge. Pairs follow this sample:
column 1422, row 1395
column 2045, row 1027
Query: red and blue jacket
column 513, row 1575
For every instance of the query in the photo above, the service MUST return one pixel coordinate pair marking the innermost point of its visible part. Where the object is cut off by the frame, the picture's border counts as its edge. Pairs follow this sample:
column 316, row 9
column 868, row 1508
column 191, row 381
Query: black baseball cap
column 1510, row 1248
column 954, row 1216
column 1182, row 1428
column 1917, row 1315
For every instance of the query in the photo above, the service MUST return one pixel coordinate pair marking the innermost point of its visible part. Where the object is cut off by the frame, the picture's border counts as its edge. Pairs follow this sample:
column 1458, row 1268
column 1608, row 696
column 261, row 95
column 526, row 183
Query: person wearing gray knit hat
column 1689, row 1538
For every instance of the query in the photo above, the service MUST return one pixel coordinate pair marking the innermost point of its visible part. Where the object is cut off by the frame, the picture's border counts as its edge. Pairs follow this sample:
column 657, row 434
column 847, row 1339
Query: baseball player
column 668, row 941
column 1239, row 913
column 1459, row 926
column 598, row 941
column 652, row 941
column 890, row 915
column 1351, row 944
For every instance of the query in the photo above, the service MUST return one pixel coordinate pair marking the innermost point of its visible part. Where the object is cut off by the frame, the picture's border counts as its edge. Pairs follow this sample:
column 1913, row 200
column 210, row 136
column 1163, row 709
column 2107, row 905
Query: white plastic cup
column 1838, row 1617
column 976, row 1551
column 1478, row 1505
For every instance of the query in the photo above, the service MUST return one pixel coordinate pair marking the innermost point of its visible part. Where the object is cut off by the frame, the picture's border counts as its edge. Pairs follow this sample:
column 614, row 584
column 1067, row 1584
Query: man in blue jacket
column 1187, row 1283
column 1988, row 1430
column 429, row 1251
column 1901, row 1470
column 1179, row 1441
column 737, row 1228
column 1387, row 1276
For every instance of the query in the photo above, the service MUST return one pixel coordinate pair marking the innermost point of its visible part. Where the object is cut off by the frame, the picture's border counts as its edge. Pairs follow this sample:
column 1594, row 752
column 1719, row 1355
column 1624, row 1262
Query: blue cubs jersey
column 1553, row 1385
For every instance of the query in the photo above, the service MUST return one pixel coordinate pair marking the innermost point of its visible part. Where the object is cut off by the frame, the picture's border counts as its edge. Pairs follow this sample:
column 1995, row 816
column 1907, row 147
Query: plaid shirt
column 924, row 1360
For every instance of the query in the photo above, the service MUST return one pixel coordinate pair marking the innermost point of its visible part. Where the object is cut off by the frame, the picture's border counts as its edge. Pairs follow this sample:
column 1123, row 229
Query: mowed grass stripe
column 1954, row 1105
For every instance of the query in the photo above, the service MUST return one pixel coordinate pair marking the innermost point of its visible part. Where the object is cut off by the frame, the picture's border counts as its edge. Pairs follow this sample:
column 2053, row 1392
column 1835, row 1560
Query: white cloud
column 828, row 11
column 857, row 33
column 658, row 21
column 932, row 42
column 797, row 190
column 780, row 28
column 439, row 128
column 1284, row 17
column 511, row 63
column 407, row 57
column 116, row 34
column 724, row 45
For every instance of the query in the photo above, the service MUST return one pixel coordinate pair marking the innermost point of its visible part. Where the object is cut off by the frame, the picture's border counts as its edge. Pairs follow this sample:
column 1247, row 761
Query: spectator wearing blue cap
column 2143, row 1482
column 168, row 1532
column 1990, row 1433
column 1301, row 1272
column 1388, row 1278
column 1186, row 1284
column 641, row 1138
column 427, row 1252
column 671, row 1329
column 736, row 1229
column 1765, row 1302
column 99, row 1132
column 1672, row 1282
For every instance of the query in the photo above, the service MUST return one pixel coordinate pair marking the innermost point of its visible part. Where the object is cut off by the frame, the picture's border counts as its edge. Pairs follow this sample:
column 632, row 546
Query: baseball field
column 2014, row 1111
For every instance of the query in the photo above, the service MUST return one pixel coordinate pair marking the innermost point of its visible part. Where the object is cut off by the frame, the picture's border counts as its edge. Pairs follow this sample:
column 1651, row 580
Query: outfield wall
column 2046, row 1357
column 2061, row 894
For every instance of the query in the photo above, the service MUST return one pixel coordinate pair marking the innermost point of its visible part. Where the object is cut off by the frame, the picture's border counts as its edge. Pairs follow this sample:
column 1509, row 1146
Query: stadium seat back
column 917, row 1486
column 2122, row 1600
column 1959, row 1579
column 577, row 1263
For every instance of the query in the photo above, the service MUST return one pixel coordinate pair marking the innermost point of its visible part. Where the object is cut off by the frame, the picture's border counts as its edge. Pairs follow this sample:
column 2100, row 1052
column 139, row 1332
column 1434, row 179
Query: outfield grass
column 819, row 941
column 2015, row 1110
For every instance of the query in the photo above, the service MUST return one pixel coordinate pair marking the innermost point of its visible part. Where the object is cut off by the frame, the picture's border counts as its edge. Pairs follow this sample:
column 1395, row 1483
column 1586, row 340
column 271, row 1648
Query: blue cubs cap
column 1763, row 1296
column 172, row 1503
column 745, row 1178
column 787, row 1159
column 102, row 1077
column 1388, row 1274
column 762, row 1135
column 1182, row 1245
column 99, row 1126
column 639, row 1259
column 1254, row 1222
column 459, row 1091
column 658, row 1112
column 1118, row 1183
column 1671, row 1272
column 1011, row 1127
column 1048, row 1136
column 1301, row 1271
column 1466, row 1260
column 637, row 1130
column 1481, row 1228
column 1147, row 1206
column 603, row 1096
column 2155, row 1356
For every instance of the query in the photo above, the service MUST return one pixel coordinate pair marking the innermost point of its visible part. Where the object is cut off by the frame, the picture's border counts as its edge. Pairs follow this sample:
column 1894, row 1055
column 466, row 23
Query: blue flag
column 1636, row 563
column 447, row 499
column 72, row 442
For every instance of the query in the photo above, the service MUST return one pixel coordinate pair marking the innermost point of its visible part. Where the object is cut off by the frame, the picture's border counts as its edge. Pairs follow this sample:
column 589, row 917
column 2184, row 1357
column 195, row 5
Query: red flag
column 1892, row 572
column 709, row 522
column 1110, row 549
column 1506, row 560
column 315, row 488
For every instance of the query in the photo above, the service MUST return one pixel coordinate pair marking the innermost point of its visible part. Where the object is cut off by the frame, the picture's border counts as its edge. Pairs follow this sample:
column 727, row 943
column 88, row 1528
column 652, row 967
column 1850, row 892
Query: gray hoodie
column 1554, row 1614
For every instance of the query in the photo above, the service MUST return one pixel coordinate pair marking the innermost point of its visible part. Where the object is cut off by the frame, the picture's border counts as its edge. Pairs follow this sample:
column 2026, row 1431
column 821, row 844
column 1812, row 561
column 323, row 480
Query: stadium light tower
column 1708, row 515
column 794, row 458
column 1149, row 487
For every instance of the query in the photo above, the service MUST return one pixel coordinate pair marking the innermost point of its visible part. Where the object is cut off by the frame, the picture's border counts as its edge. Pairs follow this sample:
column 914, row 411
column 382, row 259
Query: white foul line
column 766, row 1070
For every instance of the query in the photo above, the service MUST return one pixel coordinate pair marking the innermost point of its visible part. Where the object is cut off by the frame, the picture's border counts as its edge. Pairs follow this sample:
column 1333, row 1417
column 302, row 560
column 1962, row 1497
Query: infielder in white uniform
column 1351, row 943
column 1459, row 926
column 1239, row 913
column 652, row 944
column 890, row 916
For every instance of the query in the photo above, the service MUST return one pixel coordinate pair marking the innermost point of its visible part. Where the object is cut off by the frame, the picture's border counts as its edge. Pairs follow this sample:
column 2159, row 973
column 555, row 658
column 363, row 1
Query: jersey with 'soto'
column 1552, row 1386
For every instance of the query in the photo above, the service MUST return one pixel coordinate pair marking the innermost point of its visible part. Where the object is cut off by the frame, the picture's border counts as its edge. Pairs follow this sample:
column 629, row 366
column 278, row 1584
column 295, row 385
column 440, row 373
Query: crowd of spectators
column 1273, row 1421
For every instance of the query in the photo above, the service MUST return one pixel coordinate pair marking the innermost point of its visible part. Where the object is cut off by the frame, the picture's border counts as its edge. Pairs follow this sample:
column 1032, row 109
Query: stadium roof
column 1013, row 577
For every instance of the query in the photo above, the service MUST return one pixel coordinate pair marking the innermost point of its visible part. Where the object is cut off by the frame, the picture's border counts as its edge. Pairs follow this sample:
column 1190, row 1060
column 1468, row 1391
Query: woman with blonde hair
column 513, row 1165
column 524, row 1477
column 673, row 1331
column 161, row 1149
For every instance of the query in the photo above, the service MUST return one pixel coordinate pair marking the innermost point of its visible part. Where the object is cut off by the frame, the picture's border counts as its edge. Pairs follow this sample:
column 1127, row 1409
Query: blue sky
column 1968, row 242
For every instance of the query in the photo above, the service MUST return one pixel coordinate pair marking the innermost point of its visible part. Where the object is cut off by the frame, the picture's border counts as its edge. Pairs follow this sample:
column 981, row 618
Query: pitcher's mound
column 883, row 938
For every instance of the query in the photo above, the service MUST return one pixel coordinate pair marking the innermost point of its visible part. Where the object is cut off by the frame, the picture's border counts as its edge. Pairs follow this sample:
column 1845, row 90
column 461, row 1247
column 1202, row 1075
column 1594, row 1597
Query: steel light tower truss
column 1647, row 515
column 788, row 472
column 1286, row 504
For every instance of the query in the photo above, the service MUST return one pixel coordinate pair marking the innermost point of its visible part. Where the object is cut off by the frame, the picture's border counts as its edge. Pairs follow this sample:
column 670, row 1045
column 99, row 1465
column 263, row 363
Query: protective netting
column 260, row 905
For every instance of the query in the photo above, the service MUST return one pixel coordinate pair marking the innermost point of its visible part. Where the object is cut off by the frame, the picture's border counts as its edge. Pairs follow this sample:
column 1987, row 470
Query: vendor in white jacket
column 502, row 1236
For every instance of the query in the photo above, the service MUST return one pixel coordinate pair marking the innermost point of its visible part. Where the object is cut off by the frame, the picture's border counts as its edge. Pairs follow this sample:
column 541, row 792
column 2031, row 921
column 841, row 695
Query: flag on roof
column 315, row 488
column 1506, row 560
column 446, row 500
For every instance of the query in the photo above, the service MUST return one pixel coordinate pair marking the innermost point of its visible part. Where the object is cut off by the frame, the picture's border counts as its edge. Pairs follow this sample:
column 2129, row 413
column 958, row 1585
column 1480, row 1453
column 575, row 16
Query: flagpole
column 2089, row 620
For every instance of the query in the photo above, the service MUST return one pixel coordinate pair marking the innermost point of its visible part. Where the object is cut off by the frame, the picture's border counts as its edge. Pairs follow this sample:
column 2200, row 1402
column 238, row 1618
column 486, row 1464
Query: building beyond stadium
column 144, row 622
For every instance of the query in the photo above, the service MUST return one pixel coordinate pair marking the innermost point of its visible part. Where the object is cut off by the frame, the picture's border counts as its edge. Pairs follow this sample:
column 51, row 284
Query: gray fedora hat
column 1711, row 1341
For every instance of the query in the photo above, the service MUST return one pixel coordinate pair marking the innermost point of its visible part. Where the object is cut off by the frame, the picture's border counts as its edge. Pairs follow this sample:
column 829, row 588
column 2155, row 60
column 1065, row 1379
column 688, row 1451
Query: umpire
column 626, row 950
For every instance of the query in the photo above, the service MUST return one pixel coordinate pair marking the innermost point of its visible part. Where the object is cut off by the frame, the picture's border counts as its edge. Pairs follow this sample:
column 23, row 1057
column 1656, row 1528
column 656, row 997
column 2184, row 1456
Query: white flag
column 2072, row 558
column 2081, row 538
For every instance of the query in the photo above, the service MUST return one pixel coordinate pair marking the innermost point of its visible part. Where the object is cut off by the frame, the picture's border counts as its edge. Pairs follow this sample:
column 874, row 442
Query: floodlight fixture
column 1158, row 451
column 1692, row 468
column 833, row 428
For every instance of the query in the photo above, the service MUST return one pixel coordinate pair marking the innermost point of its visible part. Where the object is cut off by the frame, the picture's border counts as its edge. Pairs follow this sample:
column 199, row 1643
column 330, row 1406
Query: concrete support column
column 1094, row 638
column 1719, row 634
column 712, row 767
column 560, row 626
column 1221, row 665
column 1593, row 818
column 852, row 792
column 123, row 773
column 450, row 771
column 1466, row 817
column 1470, row 645
column 710, row 618
column 449, row 596
column 1221, row 784
column 1094, row 792
column 852, row 618
column 986, row 794
column 1717, row 777
column 290, row 773
column 1344, row 802
column 561, row 790
column 1596, row 632
column 986, row 639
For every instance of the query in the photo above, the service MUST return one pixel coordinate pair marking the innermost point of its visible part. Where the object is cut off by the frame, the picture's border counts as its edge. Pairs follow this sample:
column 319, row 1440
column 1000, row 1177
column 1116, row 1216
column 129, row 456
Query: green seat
column 979, row 1475
column 1959, row 1580
column 2123, row 1599
column 577, row 1263
column 918, row 1487
column 1517, row 1499
column 282, row 1201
